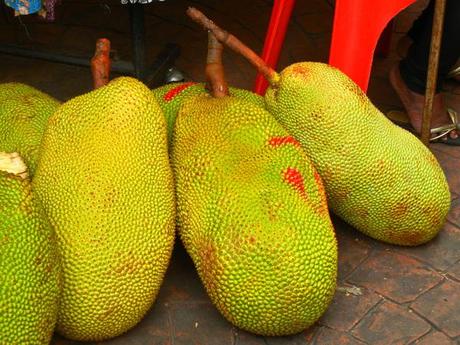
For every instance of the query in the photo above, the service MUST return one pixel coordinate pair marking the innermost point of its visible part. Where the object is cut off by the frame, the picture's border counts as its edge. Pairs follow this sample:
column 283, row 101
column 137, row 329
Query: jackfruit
column 252, row 215
column 24, row 112
column 105, row 181
column 378, row 177
column 30, row 271
column 171, row 96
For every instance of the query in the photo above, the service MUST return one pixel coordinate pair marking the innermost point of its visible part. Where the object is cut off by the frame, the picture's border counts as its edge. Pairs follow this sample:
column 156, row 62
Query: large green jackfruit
column 30, row 271
column 378, row 177
column 24, row 112
column 105, row 181
column 171, row 96
column 252, row 214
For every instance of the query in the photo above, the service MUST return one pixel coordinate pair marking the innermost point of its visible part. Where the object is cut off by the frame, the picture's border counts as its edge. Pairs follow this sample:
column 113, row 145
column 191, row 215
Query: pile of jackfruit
column 94, row 191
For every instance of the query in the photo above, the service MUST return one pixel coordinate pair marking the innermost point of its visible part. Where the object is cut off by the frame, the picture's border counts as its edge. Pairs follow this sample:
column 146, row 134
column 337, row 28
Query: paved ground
column 386, row 294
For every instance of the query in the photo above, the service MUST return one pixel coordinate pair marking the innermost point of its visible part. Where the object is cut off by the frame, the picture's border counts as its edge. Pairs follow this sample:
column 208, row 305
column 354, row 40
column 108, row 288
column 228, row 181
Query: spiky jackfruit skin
column 171, row 96
column 252, row 214
column 30, row 271
column 105, row 181
column 378, row 177
column 24, row 112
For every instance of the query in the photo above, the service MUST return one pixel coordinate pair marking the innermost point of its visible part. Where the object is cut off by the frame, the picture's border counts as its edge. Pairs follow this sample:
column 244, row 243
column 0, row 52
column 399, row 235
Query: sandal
column 454, row 73
column 440, row 134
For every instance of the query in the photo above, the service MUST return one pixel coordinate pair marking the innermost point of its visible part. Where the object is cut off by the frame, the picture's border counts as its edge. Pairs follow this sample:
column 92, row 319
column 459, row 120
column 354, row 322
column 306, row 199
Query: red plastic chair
column 279, row 20
column 356, row 30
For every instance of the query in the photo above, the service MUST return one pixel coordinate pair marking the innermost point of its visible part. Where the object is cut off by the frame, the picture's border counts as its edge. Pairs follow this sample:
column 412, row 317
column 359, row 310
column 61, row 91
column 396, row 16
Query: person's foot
column 414, row 103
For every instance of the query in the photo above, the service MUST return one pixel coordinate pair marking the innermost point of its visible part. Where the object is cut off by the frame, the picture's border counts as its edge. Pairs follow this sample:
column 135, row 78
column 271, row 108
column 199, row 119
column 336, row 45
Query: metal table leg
column 136, row 13
column 438, row 20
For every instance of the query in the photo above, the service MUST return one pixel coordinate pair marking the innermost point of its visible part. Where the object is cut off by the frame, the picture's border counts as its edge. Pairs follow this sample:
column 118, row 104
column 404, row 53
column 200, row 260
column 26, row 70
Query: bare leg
column 413, row 103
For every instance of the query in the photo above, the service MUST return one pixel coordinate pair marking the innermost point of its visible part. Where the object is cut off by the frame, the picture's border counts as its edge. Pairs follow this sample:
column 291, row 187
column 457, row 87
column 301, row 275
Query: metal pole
column 138, row 39
column 436, row 35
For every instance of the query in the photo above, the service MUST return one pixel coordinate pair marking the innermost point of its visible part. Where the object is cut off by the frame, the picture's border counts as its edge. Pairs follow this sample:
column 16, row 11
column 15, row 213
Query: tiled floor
column 386, row 294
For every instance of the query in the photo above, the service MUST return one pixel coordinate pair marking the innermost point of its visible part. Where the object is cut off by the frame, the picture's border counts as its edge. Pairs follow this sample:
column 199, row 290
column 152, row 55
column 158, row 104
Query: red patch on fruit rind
column 299, row 69
column 278, row 141
column 318, row 180
column 295, row 179
column 322, row 208
column 169, row 96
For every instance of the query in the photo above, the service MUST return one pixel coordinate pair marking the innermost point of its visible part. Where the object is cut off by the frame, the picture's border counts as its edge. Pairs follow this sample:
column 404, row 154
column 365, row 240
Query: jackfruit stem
column 12, row 163
column 235, row 44
column 215, row 75
column 100, row 63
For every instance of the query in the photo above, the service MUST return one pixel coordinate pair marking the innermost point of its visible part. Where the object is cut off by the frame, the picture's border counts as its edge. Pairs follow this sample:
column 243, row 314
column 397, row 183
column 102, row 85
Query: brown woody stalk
column 215, row 75
column 100, row 63
column 233, row 43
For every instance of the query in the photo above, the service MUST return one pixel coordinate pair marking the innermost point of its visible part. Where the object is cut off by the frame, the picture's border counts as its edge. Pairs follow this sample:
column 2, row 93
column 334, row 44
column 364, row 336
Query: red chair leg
column 357, row 27
column 279, row 20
